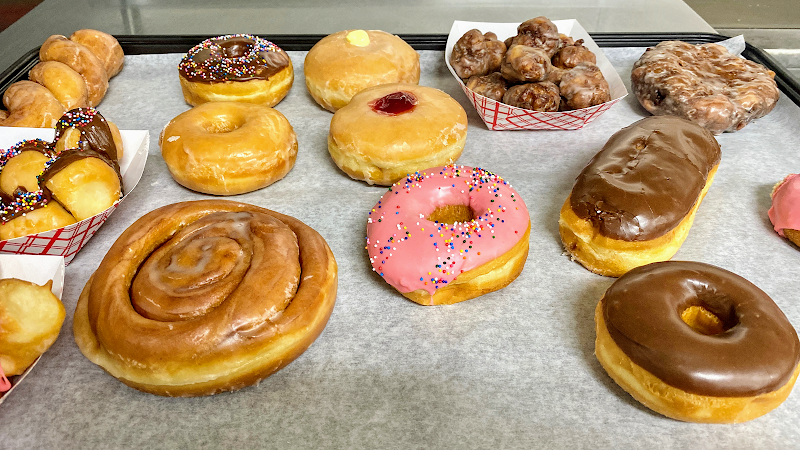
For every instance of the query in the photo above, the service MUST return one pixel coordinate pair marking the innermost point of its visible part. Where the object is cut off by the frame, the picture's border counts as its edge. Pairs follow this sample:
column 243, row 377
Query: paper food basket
column 499, row 116
column 69, row 240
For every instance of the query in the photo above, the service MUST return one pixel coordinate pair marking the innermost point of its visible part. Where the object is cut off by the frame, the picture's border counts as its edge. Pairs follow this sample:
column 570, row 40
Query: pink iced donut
column 448, row 234
column 785, row 210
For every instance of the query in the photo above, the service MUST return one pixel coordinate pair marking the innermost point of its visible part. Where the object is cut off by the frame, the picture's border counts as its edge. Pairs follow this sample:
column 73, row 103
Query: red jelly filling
column 395, row 103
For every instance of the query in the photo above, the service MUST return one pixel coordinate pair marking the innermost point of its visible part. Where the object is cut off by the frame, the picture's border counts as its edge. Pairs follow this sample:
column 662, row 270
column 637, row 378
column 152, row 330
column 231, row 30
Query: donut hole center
column 235, row 48
column 709, row 320
column 449, row 214
column 223, row 125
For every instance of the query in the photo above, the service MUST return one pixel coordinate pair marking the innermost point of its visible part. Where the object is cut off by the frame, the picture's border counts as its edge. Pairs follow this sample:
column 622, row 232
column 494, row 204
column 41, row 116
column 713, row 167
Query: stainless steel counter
column 320, row 17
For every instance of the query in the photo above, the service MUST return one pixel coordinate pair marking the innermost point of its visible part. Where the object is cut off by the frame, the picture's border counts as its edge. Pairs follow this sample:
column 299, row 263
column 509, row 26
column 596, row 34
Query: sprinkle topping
column 412, row 252
column 233, row 57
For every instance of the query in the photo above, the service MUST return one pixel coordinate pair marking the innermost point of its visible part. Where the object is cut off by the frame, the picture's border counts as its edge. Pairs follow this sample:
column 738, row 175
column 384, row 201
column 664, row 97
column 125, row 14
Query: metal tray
column 150, row 44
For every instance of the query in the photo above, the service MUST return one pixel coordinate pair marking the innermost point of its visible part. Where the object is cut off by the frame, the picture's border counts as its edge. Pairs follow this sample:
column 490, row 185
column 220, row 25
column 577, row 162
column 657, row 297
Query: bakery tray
column 151, row 44
column 514, row 368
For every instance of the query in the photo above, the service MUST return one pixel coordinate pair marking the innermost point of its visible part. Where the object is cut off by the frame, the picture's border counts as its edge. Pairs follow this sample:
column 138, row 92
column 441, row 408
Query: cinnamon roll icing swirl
column 203, row 297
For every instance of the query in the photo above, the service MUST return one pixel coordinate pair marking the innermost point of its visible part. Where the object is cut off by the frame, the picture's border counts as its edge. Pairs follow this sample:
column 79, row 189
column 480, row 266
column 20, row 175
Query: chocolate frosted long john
column 635, row 201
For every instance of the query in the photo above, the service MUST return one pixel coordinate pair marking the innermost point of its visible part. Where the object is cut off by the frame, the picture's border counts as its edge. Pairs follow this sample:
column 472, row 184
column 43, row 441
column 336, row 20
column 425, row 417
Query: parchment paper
column 512, row 369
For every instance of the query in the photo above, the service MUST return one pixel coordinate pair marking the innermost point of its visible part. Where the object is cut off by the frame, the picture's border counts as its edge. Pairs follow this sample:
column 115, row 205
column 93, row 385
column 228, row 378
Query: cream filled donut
column 785, row 210
column 391, row 130
column 448, row 234
column 238, row 67
column 342, row 64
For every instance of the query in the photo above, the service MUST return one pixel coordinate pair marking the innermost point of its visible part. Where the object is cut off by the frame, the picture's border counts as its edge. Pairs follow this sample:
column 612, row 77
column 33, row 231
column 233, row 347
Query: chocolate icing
column 15, row 205
column 757, row 354
column 95, row 132
column 233, row 58
column 646, row 178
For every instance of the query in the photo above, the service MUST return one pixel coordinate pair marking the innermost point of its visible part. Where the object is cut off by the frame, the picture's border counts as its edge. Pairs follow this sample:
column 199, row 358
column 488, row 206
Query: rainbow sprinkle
column 218, row 67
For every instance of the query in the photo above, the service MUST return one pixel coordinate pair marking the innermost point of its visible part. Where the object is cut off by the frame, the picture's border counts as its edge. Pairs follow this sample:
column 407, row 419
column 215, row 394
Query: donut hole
column 449, row 214
column 709, row 320
column 223, row 124
column 235, row 48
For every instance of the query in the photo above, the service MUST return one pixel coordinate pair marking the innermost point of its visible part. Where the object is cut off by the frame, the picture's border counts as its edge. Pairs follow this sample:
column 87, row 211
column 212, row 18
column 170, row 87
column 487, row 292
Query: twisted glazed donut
column 202, row 297
column 30, row 105
column 81, row 59
column 64, row 83
column 104, row 46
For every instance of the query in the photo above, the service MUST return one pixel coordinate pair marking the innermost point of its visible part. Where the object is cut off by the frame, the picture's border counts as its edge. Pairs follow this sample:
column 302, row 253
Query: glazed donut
column 65, row 84
column 228, row 148
column 30, row 105
column 635, row 201
column 455, row 233
column 696, row 343
column 32, row 317
column 80, row 59
column 784, row 213
column 704, row 84
column 391, row 130
column 21, row 165
column 235, row 67
column 203, row 297
column 343, row 64
column 104, row 46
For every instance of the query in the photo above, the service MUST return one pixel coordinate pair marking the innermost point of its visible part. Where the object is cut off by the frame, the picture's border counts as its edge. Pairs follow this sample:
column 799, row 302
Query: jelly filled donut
column 237, row 67
column 228, row 148
column 696, row 343
column 785, row 210
column 448, row 234
column 635, row 201
column 343, row 64
column 391, row 130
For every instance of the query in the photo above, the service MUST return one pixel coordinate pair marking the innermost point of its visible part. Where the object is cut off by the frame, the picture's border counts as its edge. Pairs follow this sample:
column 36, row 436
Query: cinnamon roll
column 203, row 297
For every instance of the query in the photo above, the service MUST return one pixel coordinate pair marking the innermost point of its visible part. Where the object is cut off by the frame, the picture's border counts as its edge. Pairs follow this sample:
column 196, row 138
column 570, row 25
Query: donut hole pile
column 539, row 69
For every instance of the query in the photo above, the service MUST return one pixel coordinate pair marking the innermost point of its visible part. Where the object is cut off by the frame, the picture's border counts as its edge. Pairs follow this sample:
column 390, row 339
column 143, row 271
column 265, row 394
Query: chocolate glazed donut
column 202, row 297
column 704, row 331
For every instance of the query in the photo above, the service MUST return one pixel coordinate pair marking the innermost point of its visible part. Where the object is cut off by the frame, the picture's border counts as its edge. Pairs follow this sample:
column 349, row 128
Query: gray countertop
column 320, row 17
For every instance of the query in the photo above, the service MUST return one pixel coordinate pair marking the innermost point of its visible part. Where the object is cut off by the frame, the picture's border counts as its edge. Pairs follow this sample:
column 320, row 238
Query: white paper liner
column 39, row 270
column 499, row 116
column 67, row 241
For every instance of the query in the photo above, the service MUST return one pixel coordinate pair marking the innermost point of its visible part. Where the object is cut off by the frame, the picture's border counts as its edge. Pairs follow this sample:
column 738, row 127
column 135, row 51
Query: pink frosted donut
column 448, row 234
column 785, row 210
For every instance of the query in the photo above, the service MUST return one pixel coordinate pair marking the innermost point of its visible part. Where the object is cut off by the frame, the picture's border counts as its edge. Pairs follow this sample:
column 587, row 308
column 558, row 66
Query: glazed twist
column 202, row 297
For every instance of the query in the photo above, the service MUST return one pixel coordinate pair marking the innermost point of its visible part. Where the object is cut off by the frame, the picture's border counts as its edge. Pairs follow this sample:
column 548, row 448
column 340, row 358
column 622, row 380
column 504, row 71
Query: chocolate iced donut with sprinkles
column 237, row 67
column 448, row 234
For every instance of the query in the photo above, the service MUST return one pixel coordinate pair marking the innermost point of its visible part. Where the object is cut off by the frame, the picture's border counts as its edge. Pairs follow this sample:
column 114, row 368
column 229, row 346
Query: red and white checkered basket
column 499, row 116
column 69, row 240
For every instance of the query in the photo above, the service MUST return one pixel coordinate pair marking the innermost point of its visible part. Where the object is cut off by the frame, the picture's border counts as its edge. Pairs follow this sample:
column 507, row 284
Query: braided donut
column 203, row 297
column 104, row 46
column 31, row 105
column 81, row 60
column 66, row 85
